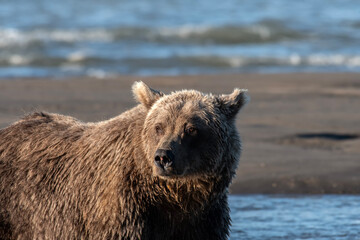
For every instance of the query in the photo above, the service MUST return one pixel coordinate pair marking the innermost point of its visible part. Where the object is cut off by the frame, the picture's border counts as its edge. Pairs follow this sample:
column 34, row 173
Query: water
column 150, row 37
column 328, row 217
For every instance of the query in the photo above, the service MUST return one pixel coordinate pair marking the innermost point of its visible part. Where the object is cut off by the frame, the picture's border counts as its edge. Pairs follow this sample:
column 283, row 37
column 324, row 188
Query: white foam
column 236, row 62
column 354, row 61
column 333, row 60
column 262, row 31
column 76, row 56
column 13, row 37
column 98, row 73
column 8, row 36
column 317, row 60
column 18, row 60
column 184, row 31
column 295, row 59
column 74, row 36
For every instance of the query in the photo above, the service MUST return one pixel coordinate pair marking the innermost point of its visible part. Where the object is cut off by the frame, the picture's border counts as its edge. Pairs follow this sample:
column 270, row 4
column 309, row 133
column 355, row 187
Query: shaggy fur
column 64, row 179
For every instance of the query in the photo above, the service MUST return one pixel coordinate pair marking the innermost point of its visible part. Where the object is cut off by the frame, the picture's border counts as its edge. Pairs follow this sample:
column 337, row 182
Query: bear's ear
column 231, row 104
column 145, row 95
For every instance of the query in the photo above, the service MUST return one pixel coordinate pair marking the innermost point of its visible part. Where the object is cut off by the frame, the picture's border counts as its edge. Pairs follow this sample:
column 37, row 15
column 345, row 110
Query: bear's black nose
column 164, row 158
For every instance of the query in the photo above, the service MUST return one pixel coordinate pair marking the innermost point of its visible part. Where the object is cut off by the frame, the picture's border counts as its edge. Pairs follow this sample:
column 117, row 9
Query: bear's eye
column 191, row 131
column 158, row 130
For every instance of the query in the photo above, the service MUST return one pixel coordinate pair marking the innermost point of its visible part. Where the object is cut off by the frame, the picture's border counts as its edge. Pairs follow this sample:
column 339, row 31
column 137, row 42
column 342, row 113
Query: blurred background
column 300, row 132
column 42, row 38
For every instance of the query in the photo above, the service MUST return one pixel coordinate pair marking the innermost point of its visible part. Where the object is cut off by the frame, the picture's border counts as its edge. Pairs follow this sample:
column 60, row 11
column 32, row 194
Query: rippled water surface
column 99, row 38
column 259, row 217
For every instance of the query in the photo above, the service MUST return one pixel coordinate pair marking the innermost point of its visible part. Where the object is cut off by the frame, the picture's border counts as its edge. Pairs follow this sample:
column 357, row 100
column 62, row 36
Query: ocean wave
column 266, row 31
column 81, row 59
column 316, row 60
column 14, row 37
column 44, row 61
column 228, row 34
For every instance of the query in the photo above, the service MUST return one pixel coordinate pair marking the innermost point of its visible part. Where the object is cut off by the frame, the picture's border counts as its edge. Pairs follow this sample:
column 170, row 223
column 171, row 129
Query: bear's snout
column 164, row 160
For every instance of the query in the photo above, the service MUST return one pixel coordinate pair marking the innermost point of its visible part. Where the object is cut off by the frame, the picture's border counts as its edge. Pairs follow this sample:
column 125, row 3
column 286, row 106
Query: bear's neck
column 190, row 194
column 186, row 194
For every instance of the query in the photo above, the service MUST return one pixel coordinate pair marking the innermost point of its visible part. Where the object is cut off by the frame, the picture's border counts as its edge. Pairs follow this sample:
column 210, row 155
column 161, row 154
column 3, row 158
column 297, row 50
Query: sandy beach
column 300, row 132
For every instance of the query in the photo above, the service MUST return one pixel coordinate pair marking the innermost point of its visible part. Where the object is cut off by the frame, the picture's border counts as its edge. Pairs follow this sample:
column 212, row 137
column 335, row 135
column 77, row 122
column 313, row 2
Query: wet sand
column 300, row 132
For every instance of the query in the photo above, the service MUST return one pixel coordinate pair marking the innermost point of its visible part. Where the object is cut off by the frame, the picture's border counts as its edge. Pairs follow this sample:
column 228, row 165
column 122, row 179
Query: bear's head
column 188, row 133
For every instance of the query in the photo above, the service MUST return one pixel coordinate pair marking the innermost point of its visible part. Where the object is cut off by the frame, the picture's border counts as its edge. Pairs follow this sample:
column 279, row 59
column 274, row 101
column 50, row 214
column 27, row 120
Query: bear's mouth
column 165, row 171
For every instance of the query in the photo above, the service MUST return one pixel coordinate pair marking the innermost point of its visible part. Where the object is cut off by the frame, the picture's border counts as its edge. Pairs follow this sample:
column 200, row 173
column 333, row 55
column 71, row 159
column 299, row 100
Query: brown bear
column 160, row 170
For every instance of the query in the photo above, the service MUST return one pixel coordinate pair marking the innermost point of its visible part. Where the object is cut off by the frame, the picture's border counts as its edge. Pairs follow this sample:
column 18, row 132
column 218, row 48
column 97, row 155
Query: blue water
column 328, row 217
column 151, row 37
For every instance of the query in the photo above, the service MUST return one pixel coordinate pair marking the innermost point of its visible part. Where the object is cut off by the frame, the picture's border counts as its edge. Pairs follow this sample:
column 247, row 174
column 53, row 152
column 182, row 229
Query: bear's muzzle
column 164, row 159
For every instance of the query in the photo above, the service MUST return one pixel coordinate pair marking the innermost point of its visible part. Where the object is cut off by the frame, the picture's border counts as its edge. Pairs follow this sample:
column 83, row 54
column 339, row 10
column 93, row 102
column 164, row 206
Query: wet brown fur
column 64, row 179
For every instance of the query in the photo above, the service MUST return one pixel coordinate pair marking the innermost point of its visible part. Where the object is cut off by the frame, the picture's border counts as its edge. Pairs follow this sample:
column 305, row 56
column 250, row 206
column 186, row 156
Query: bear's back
column 35, row 132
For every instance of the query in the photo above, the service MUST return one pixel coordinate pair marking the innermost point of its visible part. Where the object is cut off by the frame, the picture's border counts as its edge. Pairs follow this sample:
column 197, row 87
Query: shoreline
column 300, row 131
